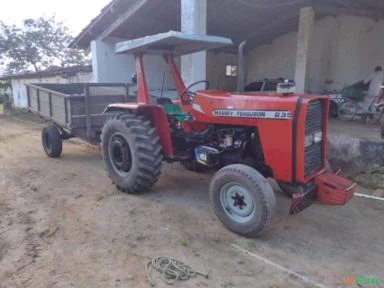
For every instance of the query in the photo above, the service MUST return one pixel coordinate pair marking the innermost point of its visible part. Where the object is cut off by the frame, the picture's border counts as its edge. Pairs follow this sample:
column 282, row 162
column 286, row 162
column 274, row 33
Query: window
column 231, row 70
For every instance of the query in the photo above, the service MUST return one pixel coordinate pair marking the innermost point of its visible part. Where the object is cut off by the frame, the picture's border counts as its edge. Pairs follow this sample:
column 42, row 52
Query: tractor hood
column 233, row 104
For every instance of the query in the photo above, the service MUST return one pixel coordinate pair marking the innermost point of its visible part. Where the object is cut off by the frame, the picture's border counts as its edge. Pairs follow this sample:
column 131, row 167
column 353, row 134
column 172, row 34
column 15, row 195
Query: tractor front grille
column 314, row 123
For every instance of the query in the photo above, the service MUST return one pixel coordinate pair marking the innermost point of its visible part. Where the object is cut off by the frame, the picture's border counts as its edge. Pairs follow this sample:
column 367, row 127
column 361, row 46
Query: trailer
column 74, row 110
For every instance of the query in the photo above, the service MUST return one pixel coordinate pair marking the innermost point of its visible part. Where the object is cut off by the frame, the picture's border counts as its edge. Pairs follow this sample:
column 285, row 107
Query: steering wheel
column 190, row 94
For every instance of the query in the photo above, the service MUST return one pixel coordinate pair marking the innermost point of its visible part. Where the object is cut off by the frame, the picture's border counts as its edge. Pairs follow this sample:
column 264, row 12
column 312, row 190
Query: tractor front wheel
column 132, row 152
column 242, row 199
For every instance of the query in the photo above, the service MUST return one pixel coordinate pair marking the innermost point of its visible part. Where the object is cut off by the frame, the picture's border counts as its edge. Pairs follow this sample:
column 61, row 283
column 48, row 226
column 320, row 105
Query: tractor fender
column 154, row 113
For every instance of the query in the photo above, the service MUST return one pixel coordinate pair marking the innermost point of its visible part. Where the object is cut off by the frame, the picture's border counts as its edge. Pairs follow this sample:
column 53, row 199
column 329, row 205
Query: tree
column 37, row 45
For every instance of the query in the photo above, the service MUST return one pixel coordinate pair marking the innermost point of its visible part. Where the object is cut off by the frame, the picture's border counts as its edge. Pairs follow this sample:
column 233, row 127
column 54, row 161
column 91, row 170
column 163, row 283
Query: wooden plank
column 81, row 121
column 108, row 84
column 126, row 93
column 76, row 111
column 58, row 108
column 66, row 116
column 33, row 99
column 87, row 114
column 106, row 91
column 50, row 104
column 38, row 100
column 81, row 133
column 47, row 90
column 97, row 104
column 44, row 102
column 29, row 97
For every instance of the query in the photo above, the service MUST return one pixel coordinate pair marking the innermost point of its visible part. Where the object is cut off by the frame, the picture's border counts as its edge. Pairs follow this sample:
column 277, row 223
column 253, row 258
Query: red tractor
column 244, row 137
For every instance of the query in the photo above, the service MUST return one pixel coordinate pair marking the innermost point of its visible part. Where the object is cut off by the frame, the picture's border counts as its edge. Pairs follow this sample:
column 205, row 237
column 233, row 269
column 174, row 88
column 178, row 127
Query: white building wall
column 273, row 61
column 109, row 67
column 360, row 48
column 345, row 50
column 19, row 89
column 216, row 64
column 194, row 21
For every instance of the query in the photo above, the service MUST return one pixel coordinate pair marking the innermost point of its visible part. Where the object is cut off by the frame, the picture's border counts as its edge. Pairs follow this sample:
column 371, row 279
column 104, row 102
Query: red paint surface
column 142, row 90
column 156, row 114
column 333, row 189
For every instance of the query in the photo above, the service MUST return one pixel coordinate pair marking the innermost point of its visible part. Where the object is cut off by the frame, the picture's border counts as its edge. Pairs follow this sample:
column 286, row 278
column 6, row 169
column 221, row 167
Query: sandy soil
column 62, row 224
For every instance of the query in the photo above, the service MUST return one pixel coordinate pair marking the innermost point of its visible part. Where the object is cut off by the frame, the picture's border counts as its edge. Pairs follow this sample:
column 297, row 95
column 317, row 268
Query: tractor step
column 302, row 200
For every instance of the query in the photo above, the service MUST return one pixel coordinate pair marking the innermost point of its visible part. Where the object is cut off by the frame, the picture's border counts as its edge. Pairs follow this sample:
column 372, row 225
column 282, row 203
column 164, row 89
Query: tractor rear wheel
column 242, row 199
column 52, row 141
column 132, row 152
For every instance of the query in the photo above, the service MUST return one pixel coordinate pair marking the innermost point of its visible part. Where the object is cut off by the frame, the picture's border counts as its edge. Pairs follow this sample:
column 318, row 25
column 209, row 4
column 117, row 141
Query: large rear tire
column 52, row 141
column 242, row 199
column 132, row 152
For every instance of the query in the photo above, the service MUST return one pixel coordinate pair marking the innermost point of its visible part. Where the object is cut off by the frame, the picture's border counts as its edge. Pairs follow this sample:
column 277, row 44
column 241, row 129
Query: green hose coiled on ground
column 171, row 269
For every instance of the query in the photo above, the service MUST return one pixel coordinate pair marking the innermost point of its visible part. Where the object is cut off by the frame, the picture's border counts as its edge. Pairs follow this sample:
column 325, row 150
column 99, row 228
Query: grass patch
column 373, row 179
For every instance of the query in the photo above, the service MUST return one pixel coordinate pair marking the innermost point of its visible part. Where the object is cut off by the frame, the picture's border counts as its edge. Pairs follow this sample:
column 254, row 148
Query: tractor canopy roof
column 172, row 42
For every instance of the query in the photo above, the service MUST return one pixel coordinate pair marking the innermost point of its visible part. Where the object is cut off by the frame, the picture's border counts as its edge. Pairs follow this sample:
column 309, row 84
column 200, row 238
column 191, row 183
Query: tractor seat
column 172, row 109
column 175, row 111
column 163, row 100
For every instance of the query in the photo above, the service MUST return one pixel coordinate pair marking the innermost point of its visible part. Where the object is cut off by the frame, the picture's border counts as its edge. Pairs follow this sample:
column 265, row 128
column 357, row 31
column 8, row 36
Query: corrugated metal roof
column 257, row 21
column 172, row 42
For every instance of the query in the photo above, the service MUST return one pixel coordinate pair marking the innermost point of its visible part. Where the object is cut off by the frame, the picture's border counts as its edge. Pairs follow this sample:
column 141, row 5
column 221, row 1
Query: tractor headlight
column 318, row 137
column 313, row 139
column 308, row 141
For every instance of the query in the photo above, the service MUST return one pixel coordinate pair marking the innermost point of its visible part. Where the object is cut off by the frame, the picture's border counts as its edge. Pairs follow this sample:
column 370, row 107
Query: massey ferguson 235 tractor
column 244, row 137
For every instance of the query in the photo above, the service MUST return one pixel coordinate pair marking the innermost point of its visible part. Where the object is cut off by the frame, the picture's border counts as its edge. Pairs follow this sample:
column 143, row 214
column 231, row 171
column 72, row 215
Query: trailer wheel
column 132, row 152
column 52, row 141
column 242, row 199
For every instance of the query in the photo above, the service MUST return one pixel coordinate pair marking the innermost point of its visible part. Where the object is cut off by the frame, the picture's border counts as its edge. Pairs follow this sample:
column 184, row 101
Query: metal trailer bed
column 77, row 109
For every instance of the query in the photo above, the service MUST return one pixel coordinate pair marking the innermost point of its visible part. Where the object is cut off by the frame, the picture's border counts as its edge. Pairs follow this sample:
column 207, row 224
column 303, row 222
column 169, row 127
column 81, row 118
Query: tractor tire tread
column 56, row 141
column 146, row 150
column 265, row 195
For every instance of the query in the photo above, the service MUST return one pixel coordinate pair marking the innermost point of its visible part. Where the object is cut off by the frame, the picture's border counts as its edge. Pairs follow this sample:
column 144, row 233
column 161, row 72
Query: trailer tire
column 132, row 152
column 242, row 199
column 52, row 141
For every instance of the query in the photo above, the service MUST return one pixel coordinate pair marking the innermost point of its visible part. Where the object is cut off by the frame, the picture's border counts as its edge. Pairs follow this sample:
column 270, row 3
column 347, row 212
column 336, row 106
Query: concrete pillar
column 194, row 21
column 95, row 60
column 108, row 66
column 304, row 39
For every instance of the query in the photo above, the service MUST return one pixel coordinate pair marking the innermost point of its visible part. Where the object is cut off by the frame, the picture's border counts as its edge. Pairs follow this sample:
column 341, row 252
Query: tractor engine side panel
column 280, row 121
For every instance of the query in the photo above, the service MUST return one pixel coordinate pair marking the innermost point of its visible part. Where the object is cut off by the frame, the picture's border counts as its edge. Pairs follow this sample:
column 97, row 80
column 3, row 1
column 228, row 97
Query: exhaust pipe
column 240, row 68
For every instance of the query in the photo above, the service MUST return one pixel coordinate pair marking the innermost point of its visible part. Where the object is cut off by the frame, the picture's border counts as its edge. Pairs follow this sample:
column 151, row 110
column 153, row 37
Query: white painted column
column 194, row 21
column 95, row 60
column 304, row 39
column 108, row 66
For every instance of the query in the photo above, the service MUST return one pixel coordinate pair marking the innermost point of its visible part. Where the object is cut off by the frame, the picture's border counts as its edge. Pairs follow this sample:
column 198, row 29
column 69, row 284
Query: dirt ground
column 63, row 224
